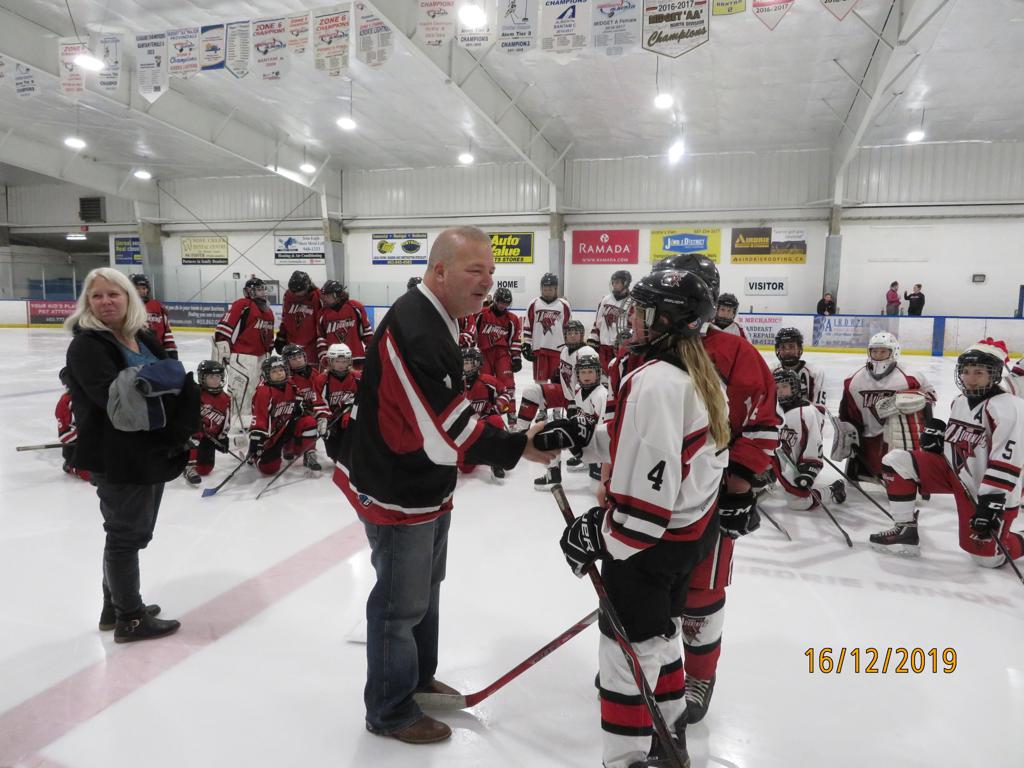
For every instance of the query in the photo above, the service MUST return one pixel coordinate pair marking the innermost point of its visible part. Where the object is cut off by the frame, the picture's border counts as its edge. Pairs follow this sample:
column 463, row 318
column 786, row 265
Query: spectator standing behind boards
column 916, row 299
column 892, row 299
column 826, row 305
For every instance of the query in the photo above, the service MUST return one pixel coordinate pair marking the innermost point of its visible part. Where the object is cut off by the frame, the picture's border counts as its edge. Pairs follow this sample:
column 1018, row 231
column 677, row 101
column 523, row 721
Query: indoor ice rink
column 867, row 149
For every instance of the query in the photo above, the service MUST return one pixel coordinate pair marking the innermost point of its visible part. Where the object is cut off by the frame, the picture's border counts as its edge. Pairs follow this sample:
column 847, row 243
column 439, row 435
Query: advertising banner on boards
column 204, row 250
column 672, row 242
column 605, row 246
column 512, row 247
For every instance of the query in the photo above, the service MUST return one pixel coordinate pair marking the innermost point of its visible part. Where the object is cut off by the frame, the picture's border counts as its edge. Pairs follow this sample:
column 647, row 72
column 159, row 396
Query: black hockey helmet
column 700, row 265
column 728, row 300
column 210, row 368
column 413, row 282
column 502, row 295
column 587, row 359
column 549, row 279
column 784, row 336
column 672, row 303
column 989, row 353
column 623, row 276
column 293, row 351
column 300, row 282
column 473, row 356
column 575, row 326
column 796, row 391
column 138, row 279
column 252, row 285
column 269, row 365
column 334, row 288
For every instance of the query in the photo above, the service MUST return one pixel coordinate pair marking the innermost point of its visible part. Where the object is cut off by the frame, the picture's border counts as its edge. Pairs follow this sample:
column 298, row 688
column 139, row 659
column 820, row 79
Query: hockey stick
column 41, row 447
column 460, row 701
column 207, row 492
column 283, row 469
column 999, row 544
column 771, row 520
column 856, row 485
column 657, row 719
column 816, row 495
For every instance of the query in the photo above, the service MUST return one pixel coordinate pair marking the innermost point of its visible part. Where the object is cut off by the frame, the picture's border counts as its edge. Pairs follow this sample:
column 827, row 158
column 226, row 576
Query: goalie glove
column 582, row 543
column 737, row 513
column 574, row 434
column 933, row 436
column 987, row 517
column 845, row 439
column 886, row 407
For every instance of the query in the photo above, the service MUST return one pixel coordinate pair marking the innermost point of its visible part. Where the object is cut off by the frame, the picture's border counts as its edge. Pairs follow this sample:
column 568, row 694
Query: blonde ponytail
column 709, row 385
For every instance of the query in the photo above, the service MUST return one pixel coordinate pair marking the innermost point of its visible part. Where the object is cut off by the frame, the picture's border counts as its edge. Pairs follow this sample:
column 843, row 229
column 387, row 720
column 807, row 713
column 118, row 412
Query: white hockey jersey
column 1013, row 382
column 666, row 469
column 734, row 328
column 984, row 445
column 567, row 372
column 591, row 406
column 812, row 379
column 544, row 324
column 606, row 323
column 800, row 438
column 861, row 392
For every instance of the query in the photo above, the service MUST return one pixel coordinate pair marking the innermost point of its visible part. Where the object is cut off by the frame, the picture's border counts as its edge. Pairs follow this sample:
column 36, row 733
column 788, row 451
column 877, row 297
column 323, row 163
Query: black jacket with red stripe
column 412, row 425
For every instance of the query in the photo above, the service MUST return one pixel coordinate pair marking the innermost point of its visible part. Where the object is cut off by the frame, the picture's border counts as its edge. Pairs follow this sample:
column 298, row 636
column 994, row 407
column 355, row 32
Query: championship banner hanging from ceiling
column 24, row 81
column 401, row 248
column 672, row 242
column 331, row 39
column 839, row 8
column 564, row 25
column 3, row 69
column 435, row 22
column 151, row 65
column 237, row 54
column 72, row 78
column 375, row 43
column 298, row 33
column 270, row 48
column 728, row 7
column 616, row 26
column 515, row 25
column 183, row 52
column 674, row 28
column 770, row 12
column 476, row 38
column 211, row 47
column 108, row 48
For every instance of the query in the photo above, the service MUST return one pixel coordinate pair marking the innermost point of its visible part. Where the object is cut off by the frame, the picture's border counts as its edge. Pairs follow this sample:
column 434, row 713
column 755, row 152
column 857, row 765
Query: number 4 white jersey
column 983, row 445
column 666, row 469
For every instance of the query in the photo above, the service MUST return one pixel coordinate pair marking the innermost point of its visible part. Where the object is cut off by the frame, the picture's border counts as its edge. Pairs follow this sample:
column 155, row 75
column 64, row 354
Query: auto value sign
column 605, row 246
column 766, row 286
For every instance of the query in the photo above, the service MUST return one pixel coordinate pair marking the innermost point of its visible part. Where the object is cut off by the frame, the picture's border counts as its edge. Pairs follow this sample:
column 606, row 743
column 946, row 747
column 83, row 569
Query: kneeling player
column 67, row 432
column 485, row 393
column 797, row 460
column 308, row 382
column 338, row 390
column 589, row 402
column 215, row 412
column 983, row 443
column 279, row 425
column 883, row 408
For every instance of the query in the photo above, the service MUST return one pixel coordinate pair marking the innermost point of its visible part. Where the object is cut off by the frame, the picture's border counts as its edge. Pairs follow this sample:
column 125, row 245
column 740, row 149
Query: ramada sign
column 605, row 246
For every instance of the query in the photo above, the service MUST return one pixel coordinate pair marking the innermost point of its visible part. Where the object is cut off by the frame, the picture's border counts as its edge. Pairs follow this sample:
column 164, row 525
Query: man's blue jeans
column 402, row 619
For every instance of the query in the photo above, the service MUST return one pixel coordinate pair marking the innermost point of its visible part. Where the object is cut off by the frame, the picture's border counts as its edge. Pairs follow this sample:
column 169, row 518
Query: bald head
column 459, row 269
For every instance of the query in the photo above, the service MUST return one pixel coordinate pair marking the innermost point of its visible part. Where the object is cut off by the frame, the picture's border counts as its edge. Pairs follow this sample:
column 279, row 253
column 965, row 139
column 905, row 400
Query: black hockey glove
column 581, row 541
column 517, row 364
column 987, row 517
column 737, row 513
column 805, row 475
column 933, row 436
column 574, row 434
column 220, row 444
column 255, row 446
column 527, row 351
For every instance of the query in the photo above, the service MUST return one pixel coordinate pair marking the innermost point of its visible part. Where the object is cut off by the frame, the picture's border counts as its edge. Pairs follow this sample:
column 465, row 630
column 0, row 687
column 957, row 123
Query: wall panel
column 238, row 198
column 57, row 205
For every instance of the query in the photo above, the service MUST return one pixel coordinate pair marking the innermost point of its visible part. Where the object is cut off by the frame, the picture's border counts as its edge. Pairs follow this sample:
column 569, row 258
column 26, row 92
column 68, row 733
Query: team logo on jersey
column 547, row 318
column 340, row 326
column 493, row 331
column 964, row 439
column 788, row 437
column 153, row 319
column 692, row 626
column 611, row 316
column 211, row 416
column 870, row 399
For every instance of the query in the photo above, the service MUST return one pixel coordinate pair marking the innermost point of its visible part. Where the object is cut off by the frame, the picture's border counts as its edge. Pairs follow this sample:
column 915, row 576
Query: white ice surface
column 285, row 687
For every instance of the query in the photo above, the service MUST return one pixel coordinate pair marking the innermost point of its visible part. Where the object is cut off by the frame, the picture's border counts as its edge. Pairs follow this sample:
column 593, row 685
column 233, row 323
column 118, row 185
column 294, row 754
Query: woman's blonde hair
column 709, row 386
column 83, row 317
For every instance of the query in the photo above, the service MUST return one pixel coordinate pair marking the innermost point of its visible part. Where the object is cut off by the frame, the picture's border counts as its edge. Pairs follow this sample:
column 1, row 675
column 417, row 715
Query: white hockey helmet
column 879, row 369
column 587, row 359
column 338, row 352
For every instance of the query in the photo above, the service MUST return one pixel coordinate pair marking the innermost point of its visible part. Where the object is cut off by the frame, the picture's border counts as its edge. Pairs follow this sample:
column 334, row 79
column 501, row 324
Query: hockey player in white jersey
column 789, row 349
column 589, row 402
column 667, row 447
column 547, row 319
column 798, row 458
column 604, row 334
column 1013, row 382
column 976, row 457
column 883, row 407
column 725, row 315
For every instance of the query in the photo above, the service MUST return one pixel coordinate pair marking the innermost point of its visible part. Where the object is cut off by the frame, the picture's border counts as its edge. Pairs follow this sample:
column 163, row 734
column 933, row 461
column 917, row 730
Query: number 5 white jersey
column 666, row 469
column 983, row 445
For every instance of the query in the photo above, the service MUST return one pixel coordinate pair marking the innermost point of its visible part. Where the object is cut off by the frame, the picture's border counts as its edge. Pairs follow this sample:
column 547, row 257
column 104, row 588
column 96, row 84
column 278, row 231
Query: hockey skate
column 901, row 539
column 309, row 461
column 698, row 697
column 192, row 476
column 552, row 476
column 595, row 471
column 838, row 491
column 657, row 758
column 575, row 464
column 498, row 473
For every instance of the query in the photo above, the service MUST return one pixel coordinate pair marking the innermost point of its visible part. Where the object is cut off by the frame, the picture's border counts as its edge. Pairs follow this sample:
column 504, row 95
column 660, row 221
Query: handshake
column 573, row 434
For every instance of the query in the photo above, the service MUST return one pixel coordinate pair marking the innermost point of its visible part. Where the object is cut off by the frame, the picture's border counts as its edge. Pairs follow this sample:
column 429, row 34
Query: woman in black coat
column 129, row 468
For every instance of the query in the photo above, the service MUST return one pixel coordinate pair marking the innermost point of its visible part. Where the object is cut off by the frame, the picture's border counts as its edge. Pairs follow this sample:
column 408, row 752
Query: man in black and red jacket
column 410, row 428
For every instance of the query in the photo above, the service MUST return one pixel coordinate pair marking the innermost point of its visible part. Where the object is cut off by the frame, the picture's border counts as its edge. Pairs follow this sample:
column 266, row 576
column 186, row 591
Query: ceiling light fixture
column 347, row 123
column 75, row 236
column 678, row 148
column 472, row 15
column 466, row 158
column 917, row 134
column 74, row 142
column 87, row 61
column 664, row 99
column 306, row 167
column 143, row 174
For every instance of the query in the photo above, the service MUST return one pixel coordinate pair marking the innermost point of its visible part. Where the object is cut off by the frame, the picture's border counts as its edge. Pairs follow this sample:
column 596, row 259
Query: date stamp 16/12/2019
column 873, row 661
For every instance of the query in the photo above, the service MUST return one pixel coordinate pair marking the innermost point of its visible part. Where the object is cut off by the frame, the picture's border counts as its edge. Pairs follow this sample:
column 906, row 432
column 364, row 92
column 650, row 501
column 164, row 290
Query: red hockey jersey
column 156, row 319
column 273, row 409
column 299, row 319
column 348, row 324
column 339, row 392
column 214, row 412
column 248, row 329
column 67, row 432
column 467, row 330
column 309, row 384
column 499, row 330
column 485, row 394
